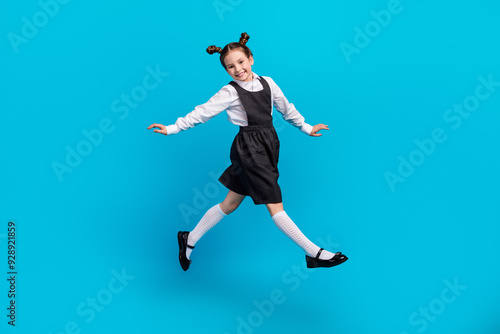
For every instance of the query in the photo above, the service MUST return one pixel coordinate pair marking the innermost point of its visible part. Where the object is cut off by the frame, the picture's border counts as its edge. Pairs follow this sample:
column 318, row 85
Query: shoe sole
column 315, row 264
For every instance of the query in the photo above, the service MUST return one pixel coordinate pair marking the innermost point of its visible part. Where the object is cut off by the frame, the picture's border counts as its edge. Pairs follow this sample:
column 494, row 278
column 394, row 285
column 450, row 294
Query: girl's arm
column 201, row 113
column 291, row 114
column 287, row 109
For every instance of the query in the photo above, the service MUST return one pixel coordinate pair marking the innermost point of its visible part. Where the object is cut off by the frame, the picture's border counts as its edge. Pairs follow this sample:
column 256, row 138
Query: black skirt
column 254, row 164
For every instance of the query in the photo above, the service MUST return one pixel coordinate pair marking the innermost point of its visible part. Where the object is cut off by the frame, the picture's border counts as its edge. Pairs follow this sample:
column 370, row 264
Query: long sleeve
column 203, row 112
column 288, row 110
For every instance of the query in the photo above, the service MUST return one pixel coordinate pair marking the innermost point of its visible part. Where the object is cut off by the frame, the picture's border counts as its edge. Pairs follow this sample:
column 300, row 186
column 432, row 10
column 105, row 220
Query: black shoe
column 182, row 237
column 314, row 262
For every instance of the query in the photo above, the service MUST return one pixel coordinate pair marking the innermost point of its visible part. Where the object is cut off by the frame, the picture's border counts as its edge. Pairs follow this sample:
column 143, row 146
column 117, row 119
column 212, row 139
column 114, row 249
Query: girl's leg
column 287, row 226
column 231, row 202
column 212, row 217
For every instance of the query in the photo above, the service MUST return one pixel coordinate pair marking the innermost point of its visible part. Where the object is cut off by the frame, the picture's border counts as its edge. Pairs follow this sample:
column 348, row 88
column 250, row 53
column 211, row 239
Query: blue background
column 120, row 206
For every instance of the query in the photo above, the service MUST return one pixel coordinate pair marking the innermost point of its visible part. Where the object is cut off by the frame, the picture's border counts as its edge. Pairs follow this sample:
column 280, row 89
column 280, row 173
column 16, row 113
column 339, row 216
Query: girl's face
column 238, row 66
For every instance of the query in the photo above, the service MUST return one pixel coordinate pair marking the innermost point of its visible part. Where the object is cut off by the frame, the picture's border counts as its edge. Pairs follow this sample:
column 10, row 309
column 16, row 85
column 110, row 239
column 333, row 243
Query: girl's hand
column 163, row 128
column 316, row 128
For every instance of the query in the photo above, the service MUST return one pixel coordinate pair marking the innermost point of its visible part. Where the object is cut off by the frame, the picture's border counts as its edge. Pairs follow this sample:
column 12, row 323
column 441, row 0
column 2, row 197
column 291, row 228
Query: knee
column 274, row 208
column 229, row 207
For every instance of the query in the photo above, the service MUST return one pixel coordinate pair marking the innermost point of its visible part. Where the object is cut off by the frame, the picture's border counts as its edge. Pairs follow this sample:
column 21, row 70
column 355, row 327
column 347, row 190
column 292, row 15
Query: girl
column 248, row 101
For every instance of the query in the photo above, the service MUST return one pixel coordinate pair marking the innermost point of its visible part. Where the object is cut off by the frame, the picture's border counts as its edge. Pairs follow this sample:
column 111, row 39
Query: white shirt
column 227, row 99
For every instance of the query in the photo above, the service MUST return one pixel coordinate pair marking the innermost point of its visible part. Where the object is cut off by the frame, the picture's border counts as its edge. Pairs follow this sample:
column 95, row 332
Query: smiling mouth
column 239, row 75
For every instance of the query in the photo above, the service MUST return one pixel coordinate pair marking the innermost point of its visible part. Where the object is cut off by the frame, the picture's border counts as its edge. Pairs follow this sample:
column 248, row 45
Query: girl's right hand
column 316, row 128
column 163, row 128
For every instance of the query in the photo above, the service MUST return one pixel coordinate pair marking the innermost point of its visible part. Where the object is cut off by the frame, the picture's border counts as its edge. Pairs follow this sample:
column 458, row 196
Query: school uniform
column 255, row 149
column 254, row 160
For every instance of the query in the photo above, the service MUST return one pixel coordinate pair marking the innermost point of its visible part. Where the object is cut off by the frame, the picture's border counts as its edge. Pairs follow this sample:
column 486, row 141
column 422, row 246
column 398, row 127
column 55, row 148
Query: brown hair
column 231, row 46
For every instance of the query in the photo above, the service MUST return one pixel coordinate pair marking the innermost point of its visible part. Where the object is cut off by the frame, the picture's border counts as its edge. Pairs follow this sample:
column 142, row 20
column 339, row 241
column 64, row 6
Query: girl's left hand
column 163, row 128
column 316, row 128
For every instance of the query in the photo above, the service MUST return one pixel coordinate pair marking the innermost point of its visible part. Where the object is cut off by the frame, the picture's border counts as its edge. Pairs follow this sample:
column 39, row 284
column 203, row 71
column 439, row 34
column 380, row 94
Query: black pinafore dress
column 255, row 150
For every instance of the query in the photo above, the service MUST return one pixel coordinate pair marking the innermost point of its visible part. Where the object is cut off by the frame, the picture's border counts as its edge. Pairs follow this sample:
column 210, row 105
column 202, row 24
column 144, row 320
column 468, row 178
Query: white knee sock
column 209, row 219
column 287, row 226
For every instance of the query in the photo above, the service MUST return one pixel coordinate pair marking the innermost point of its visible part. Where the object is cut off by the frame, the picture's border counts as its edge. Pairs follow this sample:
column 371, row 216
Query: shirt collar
column 246, row 83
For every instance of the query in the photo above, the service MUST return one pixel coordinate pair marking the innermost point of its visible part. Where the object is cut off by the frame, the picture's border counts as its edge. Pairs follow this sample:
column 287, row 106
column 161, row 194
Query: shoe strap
column 192, row 247
column 319, row 253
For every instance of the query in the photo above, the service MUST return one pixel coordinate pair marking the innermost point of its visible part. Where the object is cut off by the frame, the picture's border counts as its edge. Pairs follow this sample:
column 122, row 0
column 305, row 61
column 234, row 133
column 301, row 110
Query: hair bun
column 213, row 49
column 244, row 38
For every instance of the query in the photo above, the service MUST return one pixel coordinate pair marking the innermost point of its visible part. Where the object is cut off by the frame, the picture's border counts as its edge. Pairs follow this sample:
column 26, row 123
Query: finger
column 155, row 125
